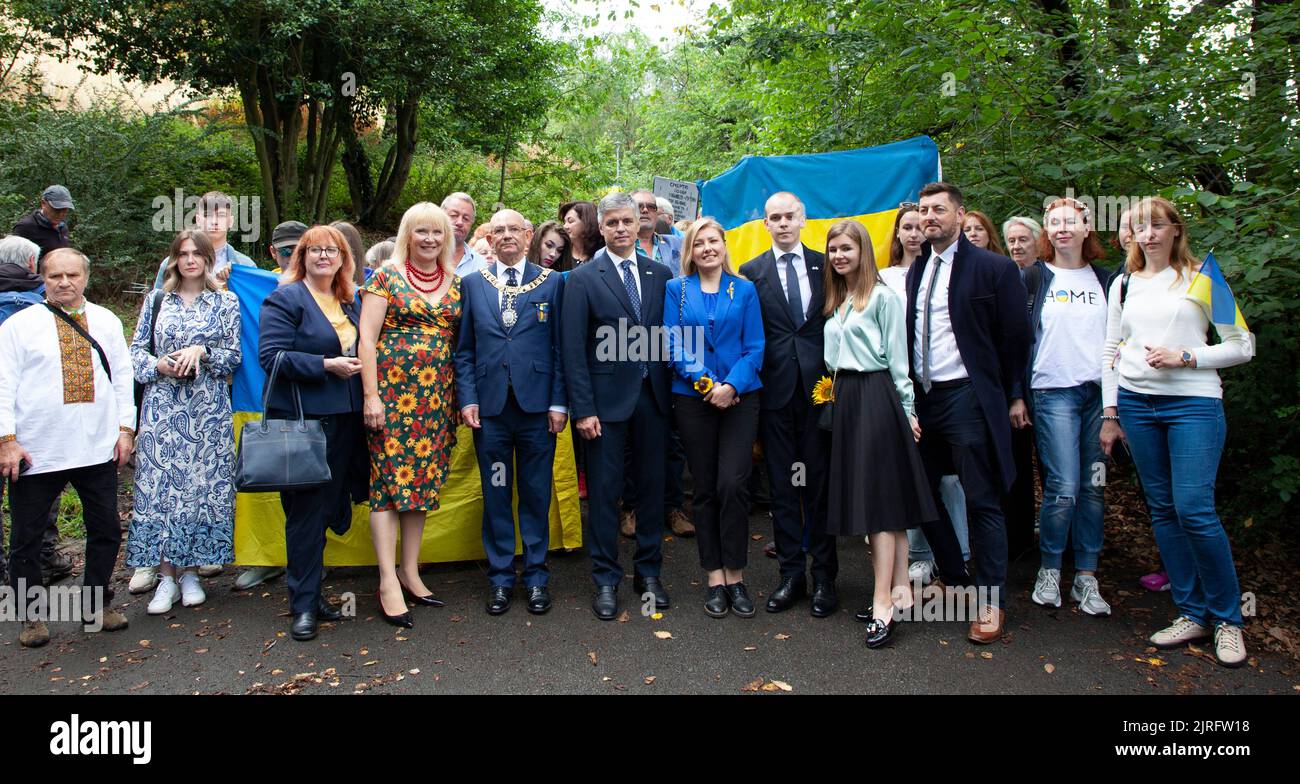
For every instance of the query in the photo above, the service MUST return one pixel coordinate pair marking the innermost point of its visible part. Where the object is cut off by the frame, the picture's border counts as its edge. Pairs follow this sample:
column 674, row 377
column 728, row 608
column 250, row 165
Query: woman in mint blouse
column 878, row 485
column 715, row 340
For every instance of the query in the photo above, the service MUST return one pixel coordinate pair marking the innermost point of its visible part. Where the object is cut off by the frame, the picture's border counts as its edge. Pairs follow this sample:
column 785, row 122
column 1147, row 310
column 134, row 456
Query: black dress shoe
column 404, row 620
column 789, row 591
column 427, row 601
column 824, row 599
column 498, row 600
column 741, row 604
column 644, row 585
column 715, row 602
column 879, row 632
column 605, row 603
column 864, row 615
column 539, row 600
column 326, row 612
column 303, row 626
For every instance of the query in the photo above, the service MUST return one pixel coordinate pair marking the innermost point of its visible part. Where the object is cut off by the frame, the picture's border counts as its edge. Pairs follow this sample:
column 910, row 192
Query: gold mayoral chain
column 508, row 314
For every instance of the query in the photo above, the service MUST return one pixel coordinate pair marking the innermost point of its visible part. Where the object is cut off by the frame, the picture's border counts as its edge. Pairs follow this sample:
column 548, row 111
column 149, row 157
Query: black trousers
column 796, row 452
column 29, row 501
column 956, row 439
column 307, row 513
column 646, row 432
column 1018, row 504
column 674, row 464
column 719, row 448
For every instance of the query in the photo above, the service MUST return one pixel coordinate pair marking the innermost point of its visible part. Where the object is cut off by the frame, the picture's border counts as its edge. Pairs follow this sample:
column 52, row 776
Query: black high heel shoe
column 404, row 620
column 427, row 601
column 880, row 632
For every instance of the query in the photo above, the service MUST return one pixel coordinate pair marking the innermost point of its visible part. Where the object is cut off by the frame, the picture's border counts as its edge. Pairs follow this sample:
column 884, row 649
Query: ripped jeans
column 1068, row 425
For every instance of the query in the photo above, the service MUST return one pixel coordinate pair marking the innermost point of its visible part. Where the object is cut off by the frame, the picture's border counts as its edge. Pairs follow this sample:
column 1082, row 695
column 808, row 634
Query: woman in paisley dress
column 185, row 450
column 408, row 326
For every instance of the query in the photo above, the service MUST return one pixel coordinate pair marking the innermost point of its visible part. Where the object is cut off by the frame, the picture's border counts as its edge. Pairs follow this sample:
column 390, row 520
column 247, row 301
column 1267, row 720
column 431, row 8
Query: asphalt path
column 238, row 643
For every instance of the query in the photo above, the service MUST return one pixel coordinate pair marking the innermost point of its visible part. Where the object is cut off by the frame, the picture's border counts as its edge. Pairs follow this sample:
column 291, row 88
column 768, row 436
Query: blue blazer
column 292, row 322
column 489, row 359
column 987, row 305
column 602, row 378
column 734, row 352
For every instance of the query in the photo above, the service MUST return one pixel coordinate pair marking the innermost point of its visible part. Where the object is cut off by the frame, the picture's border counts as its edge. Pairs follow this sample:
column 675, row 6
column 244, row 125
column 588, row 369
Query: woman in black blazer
column 312, row 320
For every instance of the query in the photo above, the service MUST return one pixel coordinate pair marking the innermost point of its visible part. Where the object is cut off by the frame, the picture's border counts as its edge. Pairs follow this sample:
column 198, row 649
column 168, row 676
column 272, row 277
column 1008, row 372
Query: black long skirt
column 877, row 481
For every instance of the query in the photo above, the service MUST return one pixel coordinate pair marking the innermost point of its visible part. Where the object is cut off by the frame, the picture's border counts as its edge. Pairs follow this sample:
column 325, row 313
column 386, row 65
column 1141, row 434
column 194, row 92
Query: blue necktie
column 792, row 294
column 629, row 283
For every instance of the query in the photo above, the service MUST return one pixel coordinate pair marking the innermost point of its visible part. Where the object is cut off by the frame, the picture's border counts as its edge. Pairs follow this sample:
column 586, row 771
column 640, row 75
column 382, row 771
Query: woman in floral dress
column 408, row 324
column 185, row 456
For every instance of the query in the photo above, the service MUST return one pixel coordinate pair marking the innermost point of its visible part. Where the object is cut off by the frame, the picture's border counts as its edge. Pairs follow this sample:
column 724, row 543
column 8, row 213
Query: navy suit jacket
column 292, row 322
column 489, row 359
column 599, row 336
column 734, row 353
column 986, row 302
column 794, row 359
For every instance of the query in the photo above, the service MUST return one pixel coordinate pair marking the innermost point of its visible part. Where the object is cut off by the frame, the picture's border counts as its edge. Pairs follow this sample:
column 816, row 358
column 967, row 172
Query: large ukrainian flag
column 866, row 185
column 453, row 533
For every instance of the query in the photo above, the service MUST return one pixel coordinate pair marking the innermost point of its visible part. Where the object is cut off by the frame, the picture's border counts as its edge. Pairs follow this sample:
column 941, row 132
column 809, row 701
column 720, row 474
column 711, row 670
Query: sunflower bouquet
column 704, row 385
column 823, row 394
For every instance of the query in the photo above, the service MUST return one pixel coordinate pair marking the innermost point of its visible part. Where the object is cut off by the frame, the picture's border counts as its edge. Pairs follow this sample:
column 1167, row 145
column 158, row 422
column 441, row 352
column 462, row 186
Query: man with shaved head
column 510, row 382
column 789, row 282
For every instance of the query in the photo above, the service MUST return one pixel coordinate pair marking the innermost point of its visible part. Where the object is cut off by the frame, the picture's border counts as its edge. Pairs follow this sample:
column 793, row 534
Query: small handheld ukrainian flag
column 1211, row 289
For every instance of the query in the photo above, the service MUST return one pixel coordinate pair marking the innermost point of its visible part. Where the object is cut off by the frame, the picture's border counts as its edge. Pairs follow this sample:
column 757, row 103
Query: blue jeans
column 1176, row 443
column 1068, row 425
column 954, row 500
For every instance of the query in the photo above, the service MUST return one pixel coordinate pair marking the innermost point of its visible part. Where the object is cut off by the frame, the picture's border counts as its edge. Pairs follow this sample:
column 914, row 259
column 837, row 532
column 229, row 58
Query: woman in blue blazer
column 312, row 322
column 715, row 340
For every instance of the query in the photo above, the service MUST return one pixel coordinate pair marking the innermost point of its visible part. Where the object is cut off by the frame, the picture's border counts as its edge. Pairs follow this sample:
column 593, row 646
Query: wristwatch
column 1187, row 358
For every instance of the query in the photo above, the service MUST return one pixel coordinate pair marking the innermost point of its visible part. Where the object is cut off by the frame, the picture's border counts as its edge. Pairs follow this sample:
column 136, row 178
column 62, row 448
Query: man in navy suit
column 616, row 370
column 510, row 381
column 968, row 338
column 790, row 293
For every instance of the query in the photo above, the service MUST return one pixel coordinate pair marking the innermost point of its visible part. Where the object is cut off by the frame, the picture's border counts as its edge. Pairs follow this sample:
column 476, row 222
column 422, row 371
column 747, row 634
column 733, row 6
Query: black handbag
column 281, row 454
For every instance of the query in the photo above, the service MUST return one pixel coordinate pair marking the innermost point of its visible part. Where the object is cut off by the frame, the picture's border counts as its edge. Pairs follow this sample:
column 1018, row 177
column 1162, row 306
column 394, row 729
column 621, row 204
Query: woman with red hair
column 979, row 230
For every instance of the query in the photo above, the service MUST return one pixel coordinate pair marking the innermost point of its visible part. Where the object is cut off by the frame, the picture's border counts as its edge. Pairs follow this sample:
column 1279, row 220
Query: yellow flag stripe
column 750, row 239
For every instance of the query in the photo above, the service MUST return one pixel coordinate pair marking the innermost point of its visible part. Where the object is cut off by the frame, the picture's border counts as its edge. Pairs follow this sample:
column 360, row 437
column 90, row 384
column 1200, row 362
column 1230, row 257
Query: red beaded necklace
column 436, row 277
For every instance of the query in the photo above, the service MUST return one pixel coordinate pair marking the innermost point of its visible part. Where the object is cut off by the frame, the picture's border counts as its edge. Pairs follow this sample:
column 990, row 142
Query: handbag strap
column 103, row 358
column 153, row 319
column 681, row 305
column 270, row 383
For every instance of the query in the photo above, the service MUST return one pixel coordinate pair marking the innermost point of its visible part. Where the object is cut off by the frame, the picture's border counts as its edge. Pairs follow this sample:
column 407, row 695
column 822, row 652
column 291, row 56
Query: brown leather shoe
column 114, row 621
column 627, row 524
column 681, row 524
column 987, row 627
column 34, row 635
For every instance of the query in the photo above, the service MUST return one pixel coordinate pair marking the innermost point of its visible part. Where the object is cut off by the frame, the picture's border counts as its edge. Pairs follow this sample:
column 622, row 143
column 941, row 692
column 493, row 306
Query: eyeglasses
column 647, row 206
column 503, row 230
column 316, row 250
column 908, row 205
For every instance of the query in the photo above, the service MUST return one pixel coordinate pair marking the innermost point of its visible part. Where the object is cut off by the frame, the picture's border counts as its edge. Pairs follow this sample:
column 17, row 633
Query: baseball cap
column 287, row 234
column 58, row 197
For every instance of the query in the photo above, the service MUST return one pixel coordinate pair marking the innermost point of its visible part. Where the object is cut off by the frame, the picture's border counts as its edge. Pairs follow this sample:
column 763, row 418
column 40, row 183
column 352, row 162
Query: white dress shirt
column 945, row 358
column 800, row 268
column 618, row 265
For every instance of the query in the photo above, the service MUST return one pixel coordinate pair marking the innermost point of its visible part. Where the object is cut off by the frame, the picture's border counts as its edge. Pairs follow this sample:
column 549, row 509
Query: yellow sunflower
column 392, row 446
column 823, row 391
column 406, row 403
column 421, row 346
column 396, row 375
column 405, row 474
column 423, row 447
column 428, row 376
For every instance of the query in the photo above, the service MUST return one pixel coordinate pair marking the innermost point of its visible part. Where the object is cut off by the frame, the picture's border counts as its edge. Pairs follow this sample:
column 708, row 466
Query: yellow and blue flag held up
column 453, row 533
column 866, row 185
column 1211, row 289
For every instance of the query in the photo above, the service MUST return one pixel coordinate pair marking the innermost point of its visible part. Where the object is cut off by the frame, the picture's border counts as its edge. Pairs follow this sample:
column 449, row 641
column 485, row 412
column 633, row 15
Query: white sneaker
column 144, row 580
column 922, row 571
column 256, row 575
column 211, row 570
column 1229, row 646
column 1047, row 588
column 164, row 597
column 192, row 594
column 1087, row 593
column 1182, row 631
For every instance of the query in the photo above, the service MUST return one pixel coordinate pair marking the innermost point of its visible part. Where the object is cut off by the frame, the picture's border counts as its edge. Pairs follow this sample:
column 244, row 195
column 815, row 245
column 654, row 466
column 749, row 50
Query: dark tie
column 792, row 293
column 510, row 281
column 925, row 325
column 629, row 283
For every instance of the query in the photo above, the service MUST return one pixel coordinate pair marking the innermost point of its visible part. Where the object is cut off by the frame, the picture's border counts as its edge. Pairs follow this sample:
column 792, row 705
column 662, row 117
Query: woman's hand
column 165, row 366
column 187, row 361
column 1160, row 357
column 343, row 367
column 1110, row 432
column 916, row 427
column 721, row 396
column 1019, row 413
column 372, row 412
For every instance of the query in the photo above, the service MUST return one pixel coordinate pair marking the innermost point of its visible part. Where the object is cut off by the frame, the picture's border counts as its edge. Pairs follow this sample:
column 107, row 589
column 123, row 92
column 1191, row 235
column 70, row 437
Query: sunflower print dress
column 410, row 455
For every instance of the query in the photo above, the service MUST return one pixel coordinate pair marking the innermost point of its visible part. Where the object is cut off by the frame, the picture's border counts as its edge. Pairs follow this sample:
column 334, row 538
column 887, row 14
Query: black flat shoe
column 651, row 585
column 539, row 600
column 404, row 620
column 427, row 601
column 741, row 604
column 326, row 612
column 304, row 626
column 879, row 633
column 824, row 599
column 789, row 591
column 715, row 602
column 605, row 602
column 498, row 600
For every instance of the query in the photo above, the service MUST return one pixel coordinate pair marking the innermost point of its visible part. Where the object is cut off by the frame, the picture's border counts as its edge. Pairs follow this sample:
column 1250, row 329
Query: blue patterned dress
column 185, row 450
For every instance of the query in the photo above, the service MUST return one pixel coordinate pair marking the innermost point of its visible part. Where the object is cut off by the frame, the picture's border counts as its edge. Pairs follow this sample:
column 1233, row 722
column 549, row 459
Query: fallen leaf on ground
column 777, row 686
column 753, row 685
column 781, row 637
column 1050, row 668
column 591, row 656
column 986, row 655
column 751, row 647
column 664, row 635
column 625, row 617
column 649, row 679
